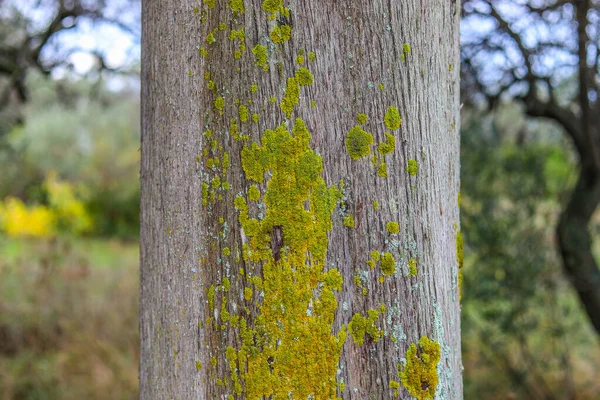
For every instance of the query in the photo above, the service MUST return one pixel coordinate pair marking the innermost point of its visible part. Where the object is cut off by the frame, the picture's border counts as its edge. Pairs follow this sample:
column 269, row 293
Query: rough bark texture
column 240, row 299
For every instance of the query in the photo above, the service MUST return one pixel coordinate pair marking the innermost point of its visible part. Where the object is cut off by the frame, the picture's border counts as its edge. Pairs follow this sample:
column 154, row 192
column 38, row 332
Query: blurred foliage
column 65, row 213
column 525, row 335
column 68, row 319
column 88, row 136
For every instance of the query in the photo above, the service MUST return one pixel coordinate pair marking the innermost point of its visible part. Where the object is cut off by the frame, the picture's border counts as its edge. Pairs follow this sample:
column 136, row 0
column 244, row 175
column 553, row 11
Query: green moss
column 312, row 56
column 375, row 255
column 243, row 112
column 210, row 38
column 393, row 228
column 209, row 3
column 298, row 203
column 222, row 26
column 260, row 55
column 273, row 99
column 299, row 59
column 291, row 98
column 237, row 6
column 313, row 104
column 254, row 88
column 419, row 376
column 412, row 167
column 204, row 193
column 248, row 292
column 412, row 267
column 272, row 6
column 254, row 193
column 375, row 205
column 226, row 284
column 349, row 221
column 371, row 264
column 382, row 170
column 198, row 365
column 211, row 298
column 203, row 52
column 360, row 326
column 226, row 251
column 389, row 145
column 361, row 118
column 358, row 143
column 304, row 77
column 388, row 264
column 392, row 118
column 220, row 104
column 281, row 33
column 255, row 118
column 381, row 87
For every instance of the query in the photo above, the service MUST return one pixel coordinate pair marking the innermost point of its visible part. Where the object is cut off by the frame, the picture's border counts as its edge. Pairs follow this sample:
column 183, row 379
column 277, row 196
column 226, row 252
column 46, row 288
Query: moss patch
column 358, row 143
column 419, row 376
column 392, row 118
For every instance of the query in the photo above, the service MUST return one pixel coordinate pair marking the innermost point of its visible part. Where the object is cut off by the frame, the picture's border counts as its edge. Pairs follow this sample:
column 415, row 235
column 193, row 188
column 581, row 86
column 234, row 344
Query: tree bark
column 271, row 262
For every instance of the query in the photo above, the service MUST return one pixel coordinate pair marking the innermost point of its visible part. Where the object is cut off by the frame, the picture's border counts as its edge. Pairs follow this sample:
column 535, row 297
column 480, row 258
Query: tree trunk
column 292, row 247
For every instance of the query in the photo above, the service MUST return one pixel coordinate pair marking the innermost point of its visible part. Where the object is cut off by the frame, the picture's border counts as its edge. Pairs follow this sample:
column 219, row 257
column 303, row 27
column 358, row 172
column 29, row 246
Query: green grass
column 68, row 319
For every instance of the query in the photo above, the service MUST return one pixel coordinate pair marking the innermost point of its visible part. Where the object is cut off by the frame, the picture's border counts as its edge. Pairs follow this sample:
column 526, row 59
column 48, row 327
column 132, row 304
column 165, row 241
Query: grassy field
column 68, row 319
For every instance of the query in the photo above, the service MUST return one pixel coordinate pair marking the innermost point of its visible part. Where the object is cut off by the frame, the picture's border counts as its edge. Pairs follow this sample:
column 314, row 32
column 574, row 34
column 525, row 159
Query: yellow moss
column 281, row 33
column 412, row 167
column 419, row 376
column 381, row 87
column 210, row 38
column 312, row 56
column 226, row 251
column 360, row 326
column 300, row 59
column 392, row 118
column 248, row 292
column 198, row 365
column 304, row 77
column 412, row 267
column 260, row 54
column 254, row 193
column 220, row 104
column 393, row 228
column 255, row 118
column 375, row 255
column 272, row 6
column 382, row 170
column 273, row 99
column 243, row 112
column 211, row 298
column 299, row 204
column 313, row 104
column 254, row 88
column 358, row 143
column 371, row 264
column 361, row 118
column 237, row 6
column 388, row 264
column 389, row 145
column 375, row 205
column 203, row 52
column 226, row 284
column 291, row 98
column 349, row 221
column 209, row 3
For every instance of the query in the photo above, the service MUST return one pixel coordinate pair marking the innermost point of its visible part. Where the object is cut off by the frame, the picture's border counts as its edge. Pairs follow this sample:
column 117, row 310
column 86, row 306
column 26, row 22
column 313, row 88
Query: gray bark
column 184, row 243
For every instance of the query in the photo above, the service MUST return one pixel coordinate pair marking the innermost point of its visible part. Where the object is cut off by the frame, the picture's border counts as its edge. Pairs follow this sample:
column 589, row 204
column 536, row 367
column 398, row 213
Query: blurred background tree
column 69, row 152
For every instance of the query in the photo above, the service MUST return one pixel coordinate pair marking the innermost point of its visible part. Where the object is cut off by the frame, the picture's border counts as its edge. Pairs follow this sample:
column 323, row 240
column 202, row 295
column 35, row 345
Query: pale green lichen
column 392, row 118
column 412, row 167
column 358, row 143
column 419, row 376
